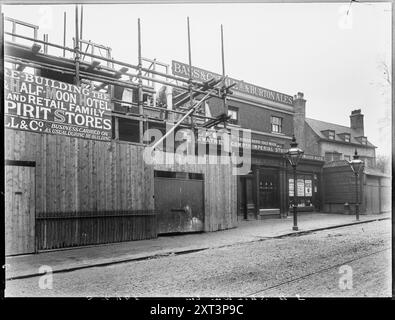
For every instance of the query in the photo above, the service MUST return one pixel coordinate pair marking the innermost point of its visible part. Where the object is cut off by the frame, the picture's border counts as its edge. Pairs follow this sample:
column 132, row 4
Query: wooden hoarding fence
column 68, row 229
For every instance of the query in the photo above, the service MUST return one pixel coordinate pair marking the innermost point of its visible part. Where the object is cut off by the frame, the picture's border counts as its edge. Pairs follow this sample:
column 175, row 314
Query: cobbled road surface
column 307, row 265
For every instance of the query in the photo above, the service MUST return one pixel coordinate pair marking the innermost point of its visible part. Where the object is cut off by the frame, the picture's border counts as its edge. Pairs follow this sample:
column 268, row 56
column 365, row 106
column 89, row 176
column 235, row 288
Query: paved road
column 306, row 265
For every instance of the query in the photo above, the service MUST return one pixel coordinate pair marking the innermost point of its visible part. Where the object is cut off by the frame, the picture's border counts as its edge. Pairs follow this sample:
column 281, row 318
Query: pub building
column 272, row 117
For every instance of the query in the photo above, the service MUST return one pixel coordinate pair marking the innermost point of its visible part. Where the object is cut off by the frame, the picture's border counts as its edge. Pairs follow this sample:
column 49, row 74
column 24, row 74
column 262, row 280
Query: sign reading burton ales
column 182, row 70
column 42, row 105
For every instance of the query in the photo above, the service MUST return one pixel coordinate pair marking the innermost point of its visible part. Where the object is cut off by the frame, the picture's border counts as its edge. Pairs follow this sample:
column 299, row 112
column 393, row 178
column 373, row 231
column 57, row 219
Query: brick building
column 270, row 116
column 337, row 144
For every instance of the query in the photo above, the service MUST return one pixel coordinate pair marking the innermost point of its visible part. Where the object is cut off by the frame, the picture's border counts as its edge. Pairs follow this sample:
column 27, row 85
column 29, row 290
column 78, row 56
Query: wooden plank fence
column 70, row 229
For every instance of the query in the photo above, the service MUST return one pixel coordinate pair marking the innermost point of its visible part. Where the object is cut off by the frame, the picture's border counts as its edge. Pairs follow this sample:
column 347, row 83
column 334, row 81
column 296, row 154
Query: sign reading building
column 42, row 105
column 182, row 70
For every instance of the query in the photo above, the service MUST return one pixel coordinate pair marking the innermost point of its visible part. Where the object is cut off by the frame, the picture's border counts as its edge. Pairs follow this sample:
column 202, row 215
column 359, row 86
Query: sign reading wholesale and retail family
column 42, row 105
column 182, row 70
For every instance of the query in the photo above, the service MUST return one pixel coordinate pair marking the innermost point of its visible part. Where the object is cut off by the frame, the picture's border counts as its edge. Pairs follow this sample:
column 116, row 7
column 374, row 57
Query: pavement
column 25, row 266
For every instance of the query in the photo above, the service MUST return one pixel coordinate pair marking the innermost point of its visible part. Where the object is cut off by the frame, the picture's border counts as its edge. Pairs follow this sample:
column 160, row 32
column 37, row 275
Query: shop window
column 304, row 190
column 234, row 115
column 277, row 124
column 128, row 130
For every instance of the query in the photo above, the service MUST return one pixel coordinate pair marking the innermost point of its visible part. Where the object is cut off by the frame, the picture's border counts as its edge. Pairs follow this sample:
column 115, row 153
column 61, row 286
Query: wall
column 83, row 175
column 345, row 149
column 254, row 117
column 90, row 177
column 312, row 145
column 339, row 188
column 220, row 189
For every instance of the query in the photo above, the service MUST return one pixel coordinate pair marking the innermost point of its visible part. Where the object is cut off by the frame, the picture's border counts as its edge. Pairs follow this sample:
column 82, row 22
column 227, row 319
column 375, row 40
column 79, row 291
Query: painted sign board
column 238, row 141
column 182, row 70
column 42, row 105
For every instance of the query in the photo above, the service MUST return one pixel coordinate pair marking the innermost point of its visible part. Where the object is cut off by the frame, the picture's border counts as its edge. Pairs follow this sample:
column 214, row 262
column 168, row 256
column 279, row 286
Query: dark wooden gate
column 19, row 207
column 179, row 201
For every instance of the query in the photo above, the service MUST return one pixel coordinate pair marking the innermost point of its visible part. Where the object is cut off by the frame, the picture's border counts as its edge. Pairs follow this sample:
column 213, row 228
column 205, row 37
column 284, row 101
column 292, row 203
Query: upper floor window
column 347, row 138
column 277, row 124
column 364, row 140
column 331, row 135
column 234, row 115
column 332, row 156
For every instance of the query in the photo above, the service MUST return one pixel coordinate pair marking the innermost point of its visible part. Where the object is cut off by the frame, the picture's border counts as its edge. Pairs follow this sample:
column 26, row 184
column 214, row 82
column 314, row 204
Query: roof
column 318, row 126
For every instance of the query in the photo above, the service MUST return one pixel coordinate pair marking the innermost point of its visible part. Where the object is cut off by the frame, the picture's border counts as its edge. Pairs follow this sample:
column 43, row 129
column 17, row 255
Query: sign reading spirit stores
column 42, row 105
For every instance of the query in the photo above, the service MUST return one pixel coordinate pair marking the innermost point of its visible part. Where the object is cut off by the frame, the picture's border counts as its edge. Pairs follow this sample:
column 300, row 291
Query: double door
column 268, row 189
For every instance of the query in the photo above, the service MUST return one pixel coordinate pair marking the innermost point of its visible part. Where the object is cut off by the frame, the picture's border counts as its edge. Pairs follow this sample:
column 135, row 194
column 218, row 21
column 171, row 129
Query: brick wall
column 253, row 117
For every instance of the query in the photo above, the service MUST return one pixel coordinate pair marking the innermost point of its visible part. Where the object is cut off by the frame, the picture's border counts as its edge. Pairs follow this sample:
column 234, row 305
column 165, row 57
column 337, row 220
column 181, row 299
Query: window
column 332, row 156
column 331, row 135
column 348, row 158
column 234, row 115
column 277, row 124
column 347, row 138
column 128, row 130
column 364, row 140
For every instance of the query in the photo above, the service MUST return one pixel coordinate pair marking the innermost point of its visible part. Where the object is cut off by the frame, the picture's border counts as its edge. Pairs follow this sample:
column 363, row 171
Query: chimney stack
column 356, row 122
column 299, row 119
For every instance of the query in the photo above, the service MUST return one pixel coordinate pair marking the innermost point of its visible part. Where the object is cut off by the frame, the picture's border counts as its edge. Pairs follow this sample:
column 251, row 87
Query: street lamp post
column 357, row 166
column 294, row 154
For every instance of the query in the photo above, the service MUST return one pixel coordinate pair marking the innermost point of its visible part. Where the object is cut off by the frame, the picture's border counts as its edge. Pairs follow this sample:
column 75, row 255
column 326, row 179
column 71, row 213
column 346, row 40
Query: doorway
column 19, row 207
column 268, row 189
column 179, row 200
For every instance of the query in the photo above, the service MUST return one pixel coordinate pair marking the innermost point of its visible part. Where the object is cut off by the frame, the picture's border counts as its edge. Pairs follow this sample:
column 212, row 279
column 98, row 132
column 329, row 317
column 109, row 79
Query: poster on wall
column 308, row 188
column 291, row 187
column 300, row 187
column 36, row 104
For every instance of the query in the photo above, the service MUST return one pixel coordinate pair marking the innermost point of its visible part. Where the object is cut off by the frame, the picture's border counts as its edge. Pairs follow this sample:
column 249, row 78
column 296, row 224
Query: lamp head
column 356, row 163
column 294, row 154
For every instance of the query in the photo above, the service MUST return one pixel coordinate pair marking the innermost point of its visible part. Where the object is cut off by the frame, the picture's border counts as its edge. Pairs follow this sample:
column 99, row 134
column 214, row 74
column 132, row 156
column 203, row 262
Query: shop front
column 308, row 184
column 262, row 192
column 268, row 190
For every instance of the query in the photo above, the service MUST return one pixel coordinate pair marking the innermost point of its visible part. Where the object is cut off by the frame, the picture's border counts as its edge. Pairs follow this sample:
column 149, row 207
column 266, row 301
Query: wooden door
column 180, row 204
column 19, row 209
column 268, row 190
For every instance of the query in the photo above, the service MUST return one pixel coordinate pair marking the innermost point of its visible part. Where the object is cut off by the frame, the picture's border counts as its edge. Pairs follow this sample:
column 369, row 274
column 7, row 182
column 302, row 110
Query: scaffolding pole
column 76, row 49
column 190, row 69
column 64, row 34
column 223, row 74
column 140, row 81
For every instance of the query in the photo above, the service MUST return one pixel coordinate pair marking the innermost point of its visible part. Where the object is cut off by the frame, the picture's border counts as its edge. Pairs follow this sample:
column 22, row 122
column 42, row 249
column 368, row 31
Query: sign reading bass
column 42, row 105
column 182, row 70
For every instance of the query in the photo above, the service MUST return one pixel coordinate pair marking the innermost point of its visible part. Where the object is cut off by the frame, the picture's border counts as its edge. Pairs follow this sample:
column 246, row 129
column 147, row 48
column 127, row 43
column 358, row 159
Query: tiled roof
column 319, row 126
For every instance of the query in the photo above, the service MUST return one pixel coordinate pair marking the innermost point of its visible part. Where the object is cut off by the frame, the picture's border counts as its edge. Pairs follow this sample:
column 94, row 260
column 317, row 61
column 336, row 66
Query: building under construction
column 75, row 121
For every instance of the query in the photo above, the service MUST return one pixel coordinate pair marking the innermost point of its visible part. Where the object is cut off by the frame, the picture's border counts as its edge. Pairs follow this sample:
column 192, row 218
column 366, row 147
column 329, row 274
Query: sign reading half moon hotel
column 42, row 105
column 182, row 70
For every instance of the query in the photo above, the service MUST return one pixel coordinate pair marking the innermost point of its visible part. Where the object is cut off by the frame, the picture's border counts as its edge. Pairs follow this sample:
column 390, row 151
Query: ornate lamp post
column 357, row 166
column 294, row 154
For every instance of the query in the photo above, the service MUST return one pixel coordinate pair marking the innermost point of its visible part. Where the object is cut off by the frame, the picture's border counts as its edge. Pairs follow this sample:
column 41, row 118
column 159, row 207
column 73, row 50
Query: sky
column 334, row 59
